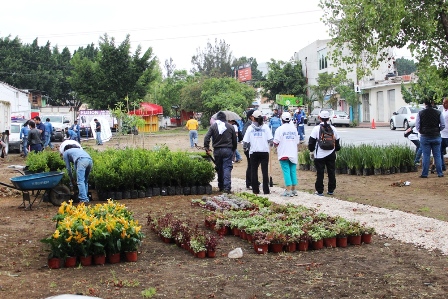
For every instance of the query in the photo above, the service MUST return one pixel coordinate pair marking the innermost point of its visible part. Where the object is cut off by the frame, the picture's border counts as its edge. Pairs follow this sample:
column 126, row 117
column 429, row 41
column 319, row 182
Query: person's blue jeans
column 193, row 137
column 223, row 165
column 301, row 131
column 443, row 147
column 273, row 130
column 83, row 168
column 237, row 156
column 289, row 170
column 25, row 146
column 418, row 151
column 36, row 147
column 98, row 138
column 428, row 145
column 48, row 141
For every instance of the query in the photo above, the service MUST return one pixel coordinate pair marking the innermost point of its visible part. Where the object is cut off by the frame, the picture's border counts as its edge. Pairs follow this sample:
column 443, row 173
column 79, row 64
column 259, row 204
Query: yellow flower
column 56, row 234
column 69, row 239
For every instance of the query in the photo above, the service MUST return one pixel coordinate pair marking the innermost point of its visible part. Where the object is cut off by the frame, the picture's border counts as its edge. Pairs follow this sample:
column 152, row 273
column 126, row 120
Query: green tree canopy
column 284, row 78
column 405, row 66
column 113, row 73
column 369, row 28
column 257, row 75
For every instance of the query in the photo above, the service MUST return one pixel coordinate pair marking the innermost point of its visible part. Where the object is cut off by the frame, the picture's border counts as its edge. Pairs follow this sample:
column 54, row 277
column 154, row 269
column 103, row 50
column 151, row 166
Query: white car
column 405, row 117
column 15, row 143
column 339, row 118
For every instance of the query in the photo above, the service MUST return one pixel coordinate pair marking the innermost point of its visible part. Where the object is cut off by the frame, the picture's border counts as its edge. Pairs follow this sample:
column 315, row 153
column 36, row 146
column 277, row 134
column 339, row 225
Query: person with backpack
column 323, row 144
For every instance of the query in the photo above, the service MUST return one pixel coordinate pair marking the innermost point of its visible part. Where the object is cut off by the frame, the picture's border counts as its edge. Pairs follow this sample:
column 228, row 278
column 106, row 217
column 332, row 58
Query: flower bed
column 287, row 225
column 184, row 234
column 83, row 231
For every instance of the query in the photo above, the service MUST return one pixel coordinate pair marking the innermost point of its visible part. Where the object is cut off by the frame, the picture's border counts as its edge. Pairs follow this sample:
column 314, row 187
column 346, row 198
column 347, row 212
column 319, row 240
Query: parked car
column 405, row 117
column 313, row 118
column 15, row 143
column 339, row 118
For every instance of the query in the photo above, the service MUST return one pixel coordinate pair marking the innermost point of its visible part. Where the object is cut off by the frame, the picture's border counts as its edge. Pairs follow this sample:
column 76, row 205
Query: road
column 380, row 136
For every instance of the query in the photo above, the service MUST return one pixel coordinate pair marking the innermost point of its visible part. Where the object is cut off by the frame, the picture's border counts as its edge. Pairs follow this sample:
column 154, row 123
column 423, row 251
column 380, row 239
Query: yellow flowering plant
column 85, row 230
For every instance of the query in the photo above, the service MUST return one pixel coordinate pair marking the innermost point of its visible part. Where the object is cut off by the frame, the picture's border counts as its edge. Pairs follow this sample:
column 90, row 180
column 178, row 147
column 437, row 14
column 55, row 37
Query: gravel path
column 421, row 231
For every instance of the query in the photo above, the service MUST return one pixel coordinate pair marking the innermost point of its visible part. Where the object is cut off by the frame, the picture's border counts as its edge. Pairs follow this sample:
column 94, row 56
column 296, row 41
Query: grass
column 424, row 210
column 149, row 293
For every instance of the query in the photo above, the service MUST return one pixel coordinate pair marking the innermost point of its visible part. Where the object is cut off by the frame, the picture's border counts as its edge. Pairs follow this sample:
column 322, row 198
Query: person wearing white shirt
column 444, row 132
column 286, row 140
column 414, row 136
column 324, row 158
column 256, row 140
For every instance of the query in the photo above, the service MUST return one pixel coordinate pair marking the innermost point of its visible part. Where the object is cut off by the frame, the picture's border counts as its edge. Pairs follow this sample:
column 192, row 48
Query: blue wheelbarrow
column 45, row 184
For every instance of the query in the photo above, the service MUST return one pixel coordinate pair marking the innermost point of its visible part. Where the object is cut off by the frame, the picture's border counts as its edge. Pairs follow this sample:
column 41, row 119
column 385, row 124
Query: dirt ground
column 384, row 269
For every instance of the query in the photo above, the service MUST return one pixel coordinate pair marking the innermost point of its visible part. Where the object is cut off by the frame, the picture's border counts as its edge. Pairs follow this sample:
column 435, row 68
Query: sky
column 173, row 29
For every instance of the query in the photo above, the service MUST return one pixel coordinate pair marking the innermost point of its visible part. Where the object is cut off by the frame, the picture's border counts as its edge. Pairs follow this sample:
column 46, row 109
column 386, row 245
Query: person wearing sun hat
column 286, row 140
column 324, row 157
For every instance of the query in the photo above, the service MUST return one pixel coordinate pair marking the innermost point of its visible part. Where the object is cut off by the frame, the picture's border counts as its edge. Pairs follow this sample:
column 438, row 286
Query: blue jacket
column 24, row 132
column 275, row 122
column 48, row 128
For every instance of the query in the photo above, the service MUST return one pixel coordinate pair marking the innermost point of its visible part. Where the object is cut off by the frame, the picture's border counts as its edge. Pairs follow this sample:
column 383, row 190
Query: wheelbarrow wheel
column 59, row 194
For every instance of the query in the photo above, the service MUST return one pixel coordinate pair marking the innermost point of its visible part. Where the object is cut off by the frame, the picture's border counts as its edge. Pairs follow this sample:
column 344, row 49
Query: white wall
column 18, row 99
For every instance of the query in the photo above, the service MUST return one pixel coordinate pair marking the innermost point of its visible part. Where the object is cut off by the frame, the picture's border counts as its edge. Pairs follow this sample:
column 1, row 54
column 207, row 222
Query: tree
column 170, row 67
column 284, row 78
column 326, row 86
column 170, row 90
column 214, row 61
column 405, row 66
column 431, row 84
column 368, row 29
column 372, row 27
column 113, row 74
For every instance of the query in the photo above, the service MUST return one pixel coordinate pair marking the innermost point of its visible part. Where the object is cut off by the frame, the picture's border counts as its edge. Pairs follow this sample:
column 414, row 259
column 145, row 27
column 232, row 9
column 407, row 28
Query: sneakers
column 330, row 192
column 318, row 194
column 287, row 194
column 294, row 193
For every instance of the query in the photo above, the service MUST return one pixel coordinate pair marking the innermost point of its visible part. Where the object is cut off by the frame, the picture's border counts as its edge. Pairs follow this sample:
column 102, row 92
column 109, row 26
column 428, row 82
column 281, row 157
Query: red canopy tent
column 147, row 109
column 149, row 112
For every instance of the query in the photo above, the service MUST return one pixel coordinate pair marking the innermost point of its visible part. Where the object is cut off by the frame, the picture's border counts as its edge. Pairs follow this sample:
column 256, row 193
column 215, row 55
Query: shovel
column 207, row 152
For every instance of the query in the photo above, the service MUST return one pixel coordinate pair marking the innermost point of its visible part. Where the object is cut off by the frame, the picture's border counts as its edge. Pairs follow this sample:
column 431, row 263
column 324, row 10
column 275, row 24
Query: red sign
column 245, row 74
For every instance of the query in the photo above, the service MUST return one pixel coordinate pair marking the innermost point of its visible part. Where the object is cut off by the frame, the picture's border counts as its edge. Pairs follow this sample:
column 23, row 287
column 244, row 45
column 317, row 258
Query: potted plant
column 261, row 242
column 197, row 244
column 354, row 232
column 131, row 238
column 56, row 242
column 367, row 232
column 211, row 243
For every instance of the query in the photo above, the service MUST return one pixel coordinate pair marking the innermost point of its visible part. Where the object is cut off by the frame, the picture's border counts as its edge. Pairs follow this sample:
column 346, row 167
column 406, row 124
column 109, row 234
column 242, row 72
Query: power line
column 179, row 25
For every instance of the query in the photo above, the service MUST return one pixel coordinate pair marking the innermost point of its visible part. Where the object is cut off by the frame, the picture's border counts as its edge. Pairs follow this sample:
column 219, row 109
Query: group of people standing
column 36, row 135
column 258, row 140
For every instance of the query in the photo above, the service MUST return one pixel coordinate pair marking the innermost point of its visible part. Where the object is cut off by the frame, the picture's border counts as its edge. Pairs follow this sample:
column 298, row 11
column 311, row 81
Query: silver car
column 405, row 117
column 313, row 118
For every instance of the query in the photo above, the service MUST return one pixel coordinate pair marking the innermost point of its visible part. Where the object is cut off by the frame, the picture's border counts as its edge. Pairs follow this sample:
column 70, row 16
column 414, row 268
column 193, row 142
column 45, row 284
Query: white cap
column 257, row 114
column 67, row 142
column 297, row 111
column 286, row 116
column 324, row 114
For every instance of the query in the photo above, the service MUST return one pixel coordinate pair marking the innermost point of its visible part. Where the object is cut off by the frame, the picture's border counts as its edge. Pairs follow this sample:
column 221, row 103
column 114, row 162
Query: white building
column 20, row 106
column 381, row 94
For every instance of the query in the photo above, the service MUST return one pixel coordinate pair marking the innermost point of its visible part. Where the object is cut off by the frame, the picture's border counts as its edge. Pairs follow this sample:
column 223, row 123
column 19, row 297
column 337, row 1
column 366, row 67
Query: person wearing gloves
column 257, row 141
column 286, row 140
column 83, row 165
column 323, row 144
column 224, row 143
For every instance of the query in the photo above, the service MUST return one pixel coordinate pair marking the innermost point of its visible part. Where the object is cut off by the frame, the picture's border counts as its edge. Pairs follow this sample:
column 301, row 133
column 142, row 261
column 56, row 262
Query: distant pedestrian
column 274, row 123
column 24, row 137
column 299, row 118
column 239, row 137
column 76, row 128
column 324, row 134
column 48, row 132
column 224, row 144
column 98, row 132
column 34, row 138
column 72, row 135
column 286, row 139
column 429, row 122
column 192, row 125
column 257, row 141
